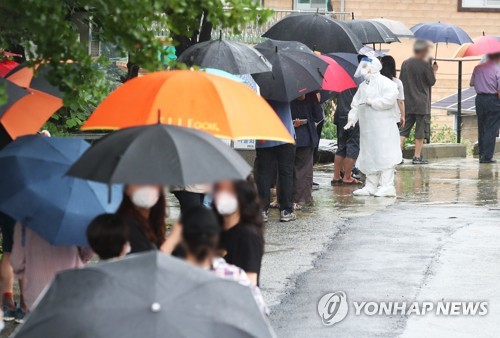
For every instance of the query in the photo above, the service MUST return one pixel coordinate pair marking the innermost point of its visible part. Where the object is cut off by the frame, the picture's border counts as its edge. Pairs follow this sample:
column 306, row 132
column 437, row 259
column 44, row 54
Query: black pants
column 188, row 200
column 319, row 130
column 488, row 123
column 284, row 156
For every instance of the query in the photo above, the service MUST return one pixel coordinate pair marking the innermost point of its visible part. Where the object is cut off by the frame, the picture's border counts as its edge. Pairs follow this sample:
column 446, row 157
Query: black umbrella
column 319, row 32
column 13, row 92
column 296, row 70
column 146, row 295
column 232, row 57
column 160, row 154
column 372, row 31
column 25, row 77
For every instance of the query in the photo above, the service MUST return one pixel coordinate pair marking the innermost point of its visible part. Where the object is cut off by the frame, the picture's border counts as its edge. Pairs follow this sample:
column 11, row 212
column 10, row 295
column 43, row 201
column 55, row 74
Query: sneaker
column 9, row 314
column 356, row 173
column 287, row 216
column 419, row 160
column 265, row 216
column 488, row 161
column 402, row 162
column 20, row 313
column 315, row 186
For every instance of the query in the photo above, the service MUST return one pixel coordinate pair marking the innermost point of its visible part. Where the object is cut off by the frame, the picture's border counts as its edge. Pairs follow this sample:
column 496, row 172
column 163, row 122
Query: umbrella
column 28, row 114
column 144, row 295
column 242, row 78
column 6, row 66
column 160, row 154
column 336, row 78
column 25, row 77
column 349, row 62
column 232, row 57
column 14, row 93
column 36, row 192
column 397, row 27
column 192, row 99
column 296, row 70
column 440, row 32
column 318, row 32
column 481, row 46
column 371, row 32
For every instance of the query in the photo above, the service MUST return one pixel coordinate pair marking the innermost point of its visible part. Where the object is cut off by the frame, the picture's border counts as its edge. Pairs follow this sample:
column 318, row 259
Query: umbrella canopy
column 318, row 32
column 440, row 32
column 232, row 57
column 25, row 77
column 111, row 300
column 14, row 93
column 336, row 78
column 372, row 32
column 36, row 192
column 397, row 27
column 28, row 114
column 481, row 46
column 349, row 62
column 296, row 70
column 242, row 78
column 182, row 97
column 6, row 66
column 160, row 154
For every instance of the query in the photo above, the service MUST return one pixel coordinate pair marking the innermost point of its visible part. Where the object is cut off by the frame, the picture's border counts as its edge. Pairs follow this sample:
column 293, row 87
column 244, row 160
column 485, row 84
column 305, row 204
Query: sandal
column 353, row 182
column 336, row 182
column 297, row 206
column 274, row 205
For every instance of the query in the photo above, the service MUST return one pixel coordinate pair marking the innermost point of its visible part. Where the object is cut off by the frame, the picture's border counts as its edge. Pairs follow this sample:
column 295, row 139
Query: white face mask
column 145, row 197
column 226, row 203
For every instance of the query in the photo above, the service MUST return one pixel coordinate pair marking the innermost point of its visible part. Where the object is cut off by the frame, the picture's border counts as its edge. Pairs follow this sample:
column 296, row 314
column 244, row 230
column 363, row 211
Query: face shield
column 368, row 66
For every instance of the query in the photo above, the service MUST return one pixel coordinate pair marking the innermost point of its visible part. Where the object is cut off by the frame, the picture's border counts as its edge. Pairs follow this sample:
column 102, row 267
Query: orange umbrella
column 192, row 99
column 28, row 115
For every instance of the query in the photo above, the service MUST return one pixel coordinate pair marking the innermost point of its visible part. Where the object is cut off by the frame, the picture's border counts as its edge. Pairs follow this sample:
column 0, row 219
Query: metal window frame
column 460, row 8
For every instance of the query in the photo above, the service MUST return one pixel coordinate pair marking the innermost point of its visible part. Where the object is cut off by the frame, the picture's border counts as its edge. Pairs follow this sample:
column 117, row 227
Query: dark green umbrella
column 160, row 154
column 148, row 295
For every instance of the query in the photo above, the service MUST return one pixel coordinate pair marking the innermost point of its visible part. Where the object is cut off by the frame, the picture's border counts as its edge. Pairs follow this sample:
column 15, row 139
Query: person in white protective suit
column 375, row 108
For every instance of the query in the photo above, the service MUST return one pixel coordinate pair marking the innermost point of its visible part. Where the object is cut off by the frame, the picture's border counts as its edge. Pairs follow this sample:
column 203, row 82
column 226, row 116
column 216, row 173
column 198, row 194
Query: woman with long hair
column 242, row 238
column 389, row 71
column 144, row 209
column 200, row 238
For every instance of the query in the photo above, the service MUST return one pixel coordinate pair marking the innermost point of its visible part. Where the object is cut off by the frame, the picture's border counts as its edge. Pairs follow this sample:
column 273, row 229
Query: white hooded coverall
column 375, row 108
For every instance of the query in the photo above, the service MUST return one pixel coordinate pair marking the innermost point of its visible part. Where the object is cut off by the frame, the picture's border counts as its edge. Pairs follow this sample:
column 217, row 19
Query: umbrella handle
column 436, row 53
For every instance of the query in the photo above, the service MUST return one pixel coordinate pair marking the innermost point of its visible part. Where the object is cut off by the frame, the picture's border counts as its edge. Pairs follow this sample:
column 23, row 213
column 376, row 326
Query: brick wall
column 412, row 12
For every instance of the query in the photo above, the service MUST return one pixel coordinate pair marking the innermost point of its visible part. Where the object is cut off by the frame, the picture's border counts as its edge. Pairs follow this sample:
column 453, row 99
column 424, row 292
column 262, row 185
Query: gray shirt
column 418, row 77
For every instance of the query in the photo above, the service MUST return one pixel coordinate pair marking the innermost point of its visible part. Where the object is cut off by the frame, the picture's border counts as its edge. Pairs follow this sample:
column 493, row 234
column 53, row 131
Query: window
column 479, row 5
column 310, row 4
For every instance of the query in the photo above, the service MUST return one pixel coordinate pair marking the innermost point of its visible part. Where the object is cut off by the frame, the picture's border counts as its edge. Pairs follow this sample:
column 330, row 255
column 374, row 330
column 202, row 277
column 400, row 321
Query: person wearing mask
column 347, row 141
column 37, row 262
column 270, row 153
column 486, row 81
column 389, row 71
column 242, row 238
column 200, row 238
column 108, row 236
column 418, row 76
column 306, row 112
column 143, row 207
column 375, row 107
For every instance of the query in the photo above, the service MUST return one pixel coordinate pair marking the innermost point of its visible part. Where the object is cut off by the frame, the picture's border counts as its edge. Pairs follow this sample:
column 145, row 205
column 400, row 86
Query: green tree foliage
column 47, row 32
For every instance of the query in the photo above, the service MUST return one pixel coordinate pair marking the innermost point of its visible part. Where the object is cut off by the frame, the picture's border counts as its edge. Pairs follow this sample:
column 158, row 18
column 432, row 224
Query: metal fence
column 252, row 32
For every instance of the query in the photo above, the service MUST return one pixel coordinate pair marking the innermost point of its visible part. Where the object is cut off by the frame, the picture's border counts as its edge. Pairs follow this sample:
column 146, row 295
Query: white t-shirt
column 401, row 95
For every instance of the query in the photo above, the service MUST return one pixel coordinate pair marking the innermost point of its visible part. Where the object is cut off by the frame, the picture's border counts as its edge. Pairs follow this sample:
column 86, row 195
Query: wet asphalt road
column 437, row 241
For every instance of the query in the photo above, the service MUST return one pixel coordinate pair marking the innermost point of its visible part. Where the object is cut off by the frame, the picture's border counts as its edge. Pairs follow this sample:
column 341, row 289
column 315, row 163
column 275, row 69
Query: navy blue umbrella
column 35, row 191
column 440, row 32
